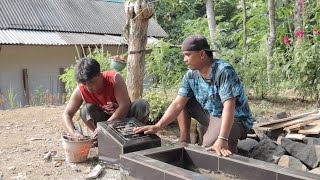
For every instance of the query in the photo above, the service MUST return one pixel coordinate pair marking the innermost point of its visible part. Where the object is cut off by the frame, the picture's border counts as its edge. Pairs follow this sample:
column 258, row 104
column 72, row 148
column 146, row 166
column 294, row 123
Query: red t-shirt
column 104, row 97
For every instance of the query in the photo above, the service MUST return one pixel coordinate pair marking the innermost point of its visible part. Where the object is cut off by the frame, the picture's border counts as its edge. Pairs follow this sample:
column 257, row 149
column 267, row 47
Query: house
column 40, row 38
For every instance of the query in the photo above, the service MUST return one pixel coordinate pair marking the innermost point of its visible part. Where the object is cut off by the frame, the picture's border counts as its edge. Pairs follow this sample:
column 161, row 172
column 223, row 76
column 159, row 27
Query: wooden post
column 271, row 40
column 212, row 24
column 138, row 14
column 62, row 89
column 26, row 86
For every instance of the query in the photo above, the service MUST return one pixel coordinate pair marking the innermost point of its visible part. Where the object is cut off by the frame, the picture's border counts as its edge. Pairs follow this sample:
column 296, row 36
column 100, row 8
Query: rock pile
column 277, row 147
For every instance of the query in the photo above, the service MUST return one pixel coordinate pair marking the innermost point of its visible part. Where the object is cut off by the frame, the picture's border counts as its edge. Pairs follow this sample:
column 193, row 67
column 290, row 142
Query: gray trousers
column 213, row 124
column 138, row 109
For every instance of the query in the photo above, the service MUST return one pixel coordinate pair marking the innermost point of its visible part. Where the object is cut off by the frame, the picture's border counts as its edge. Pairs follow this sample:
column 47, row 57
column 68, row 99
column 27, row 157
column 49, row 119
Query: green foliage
column 158, row 101
column 293, row 66
column 69, row 80
column 171, row 14
column 304, row 69
column 299, row 59
column 225, row 35
column 257, row 23
column 11, row 96
column 252, row 72
column 165, row 64
column 166, row 67
column 226, row 9
column 188, row 27
column 39, row 97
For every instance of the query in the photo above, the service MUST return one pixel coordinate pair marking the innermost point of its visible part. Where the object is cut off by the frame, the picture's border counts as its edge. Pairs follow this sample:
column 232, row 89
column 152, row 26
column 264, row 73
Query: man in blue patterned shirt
column 212, row 93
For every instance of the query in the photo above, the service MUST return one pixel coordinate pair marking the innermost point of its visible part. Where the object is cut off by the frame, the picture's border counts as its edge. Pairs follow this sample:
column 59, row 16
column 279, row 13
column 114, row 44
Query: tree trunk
column 211, row 23
column 271, row 40
column 244, row 9
column 138, row 14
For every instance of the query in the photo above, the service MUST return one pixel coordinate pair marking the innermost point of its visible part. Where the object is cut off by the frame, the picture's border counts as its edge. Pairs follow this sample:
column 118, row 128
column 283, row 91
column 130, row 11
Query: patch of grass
column 269, row 106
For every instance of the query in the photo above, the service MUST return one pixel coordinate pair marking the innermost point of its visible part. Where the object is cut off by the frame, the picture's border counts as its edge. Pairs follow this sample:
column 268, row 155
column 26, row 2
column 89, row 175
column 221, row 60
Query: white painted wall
column 42, row 63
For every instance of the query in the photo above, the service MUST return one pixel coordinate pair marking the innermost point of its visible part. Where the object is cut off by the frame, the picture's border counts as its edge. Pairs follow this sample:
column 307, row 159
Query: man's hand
column 221, row 147
column 94, row 134
column 151, row 129
column 76, row 134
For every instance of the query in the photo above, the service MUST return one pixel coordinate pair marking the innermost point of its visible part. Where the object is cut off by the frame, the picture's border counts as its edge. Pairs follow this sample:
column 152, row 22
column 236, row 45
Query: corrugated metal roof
column 81, row 16
column 56, row 38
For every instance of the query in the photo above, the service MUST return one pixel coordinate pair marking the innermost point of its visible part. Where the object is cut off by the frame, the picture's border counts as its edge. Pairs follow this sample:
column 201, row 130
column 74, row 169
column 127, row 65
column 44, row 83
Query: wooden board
column 294, row 136
column 310, row 129
column 304, row 114
column 295, row 127
column 307, row 119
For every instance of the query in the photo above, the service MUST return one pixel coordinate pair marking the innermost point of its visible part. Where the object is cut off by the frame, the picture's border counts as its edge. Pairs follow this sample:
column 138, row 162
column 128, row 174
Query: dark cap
column 195, row 43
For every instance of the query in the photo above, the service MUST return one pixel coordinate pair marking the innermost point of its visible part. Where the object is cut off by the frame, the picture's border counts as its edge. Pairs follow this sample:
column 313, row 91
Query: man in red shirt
column 103, row 96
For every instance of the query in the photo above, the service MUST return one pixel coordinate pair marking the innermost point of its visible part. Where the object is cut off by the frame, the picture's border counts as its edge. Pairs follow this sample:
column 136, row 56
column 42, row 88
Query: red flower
column 299, row 34
column 315, row 32
column 286, row 40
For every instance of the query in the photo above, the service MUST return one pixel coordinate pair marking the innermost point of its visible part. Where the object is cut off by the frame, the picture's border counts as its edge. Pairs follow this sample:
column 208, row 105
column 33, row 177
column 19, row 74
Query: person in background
column 212, row 93
column 103, row 96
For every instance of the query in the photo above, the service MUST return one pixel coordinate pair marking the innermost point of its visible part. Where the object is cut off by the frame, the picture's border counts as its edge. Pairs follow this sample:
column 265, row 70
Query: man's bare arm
column 72, row 107
column 227, row 117
column 221, row 145
column 122, row 97
column 169, row 116
column 173, row 111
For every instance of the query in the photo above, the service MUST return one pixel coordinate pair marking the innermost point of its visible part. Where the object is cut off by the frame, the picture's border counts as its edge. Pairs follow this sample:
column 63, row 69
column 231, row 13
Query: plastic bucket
column 76, row 151
column 118, row 65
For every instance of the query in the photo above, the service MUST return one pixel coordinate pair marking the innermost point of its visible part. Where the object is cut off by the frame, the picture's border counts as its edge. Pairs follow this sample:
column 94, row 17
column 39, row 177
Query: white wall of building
column 42, row 63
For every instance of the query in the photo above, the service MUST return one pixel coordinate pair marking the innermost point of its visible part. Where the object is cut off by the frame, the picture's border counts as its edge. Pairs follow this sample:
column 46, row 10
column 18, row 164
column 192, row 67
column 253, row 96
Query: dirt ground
column 27, row 134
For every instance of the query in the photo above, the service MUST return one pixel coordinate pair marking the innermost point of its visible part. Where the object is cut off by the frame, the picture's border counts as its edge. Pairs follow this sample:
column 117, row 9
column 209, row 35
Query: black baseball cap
column 196, row 43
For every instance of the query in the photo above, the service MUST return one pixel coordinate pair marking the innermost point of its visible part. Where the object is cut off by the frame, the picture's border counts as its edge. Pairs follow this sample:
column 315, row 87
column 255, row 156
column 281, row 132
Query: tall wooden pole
column 212, row 24
column 138, row 14
column 244, row 24
column 271, row 40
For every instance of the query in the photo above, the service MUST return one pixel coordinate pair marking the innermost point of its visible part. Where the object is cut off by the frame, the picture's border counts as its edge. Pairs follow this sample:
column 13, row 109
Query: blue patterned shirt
column 223, row 84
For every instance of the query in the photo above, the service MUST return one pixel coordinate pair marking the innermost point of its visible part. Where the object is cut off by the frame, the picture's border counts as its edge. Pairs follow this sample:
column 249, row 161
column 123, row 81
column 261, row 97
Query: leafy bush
column 158, row 101
column 11, row 96
column 165, row 64
column 304, row 69
column 39, row 97
column 202, row 28
column 69, row 80
column 166, row 68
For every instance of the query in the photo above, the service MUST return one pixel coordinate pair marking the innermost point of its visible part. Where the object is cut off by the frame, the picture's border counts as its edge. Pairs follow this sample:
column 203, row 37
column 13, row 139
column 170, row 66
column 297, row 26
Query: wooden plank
column 302, row 126
column 307, row 119
column 314, row 122
column 304, row 114
column 295, row 127
column 295, row 136
column 310, row 129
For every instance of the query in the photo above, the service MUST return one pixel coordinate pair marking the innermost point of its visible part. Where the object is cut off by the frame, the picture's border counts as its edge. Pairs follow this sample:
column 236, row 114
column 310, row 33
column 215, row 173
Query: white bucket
column 76, row 151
